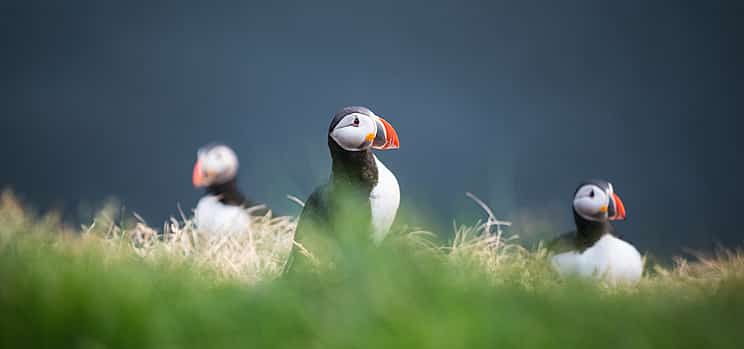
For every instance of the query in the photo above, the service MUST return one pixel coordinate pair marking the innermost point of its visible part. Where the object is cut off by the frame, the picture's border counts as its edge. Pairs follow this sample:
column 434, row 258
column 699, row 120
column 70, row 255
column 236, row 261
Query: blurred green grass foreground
column 125, row 286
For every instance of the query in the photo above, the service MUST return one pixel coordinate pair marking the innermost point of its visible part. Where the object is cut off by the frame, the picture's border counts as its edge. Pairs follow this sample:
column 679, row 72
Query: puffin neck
column 588, row 232
column 354, row 169
column 227, row 192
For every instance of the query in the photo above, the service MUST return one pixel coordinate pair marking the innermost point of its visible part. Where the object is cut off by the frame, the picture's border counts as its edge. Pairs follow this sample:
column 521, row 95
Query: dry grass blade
column 296, row 200
column 262, row 253
column 257, row 255
column 492, row 220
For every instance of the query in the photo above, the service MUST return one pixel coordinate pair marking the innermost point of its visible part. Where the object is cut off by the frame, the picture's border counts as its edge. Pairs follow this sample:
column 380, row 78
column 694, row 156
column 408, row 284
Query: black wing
column 314, row 213
column 564, row 243
column 234, row 197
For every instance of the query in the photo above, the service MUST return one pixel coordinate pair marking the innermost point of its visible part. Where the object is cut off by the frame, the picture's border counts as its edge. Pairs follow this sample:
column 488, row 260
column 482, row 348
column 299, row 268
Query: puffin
column 362, row 195
column 223, row 208
column 595, row 249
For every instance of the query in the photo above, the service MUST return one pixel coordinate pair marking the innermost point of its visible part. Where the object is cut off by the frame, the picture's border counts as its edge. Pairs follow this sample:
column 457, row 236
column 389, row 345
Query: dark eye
column 591, row 194
column 356, row 121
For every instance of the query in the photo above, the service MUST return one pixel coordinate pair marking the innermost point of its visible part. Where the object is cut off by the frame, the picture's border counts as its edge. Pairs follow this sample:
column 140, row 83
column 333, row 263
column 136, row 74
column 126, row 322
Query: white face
column 592, row 202
column 215, row 165
column 355, row 132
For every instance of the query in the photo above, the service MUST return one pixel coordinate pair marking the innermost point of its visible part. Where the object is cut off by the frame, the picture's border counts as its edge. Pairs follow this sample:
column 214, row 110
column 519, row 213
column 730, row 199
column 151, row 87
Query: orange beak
column 619, row 208
column 391, row 137
column 197, row 178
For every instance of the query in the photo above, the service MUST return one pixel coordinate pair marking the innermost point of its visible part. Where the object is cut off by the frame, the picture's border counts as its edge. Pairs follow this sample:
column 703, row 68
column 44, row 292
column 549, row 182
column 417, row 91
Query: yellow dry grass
column 261, row 254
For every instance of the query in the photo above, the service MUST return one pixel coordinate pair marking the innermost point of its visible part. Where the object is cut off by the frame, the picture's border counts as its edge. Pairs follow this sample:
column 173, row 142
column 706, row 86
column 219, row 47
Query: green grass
column 61, row 290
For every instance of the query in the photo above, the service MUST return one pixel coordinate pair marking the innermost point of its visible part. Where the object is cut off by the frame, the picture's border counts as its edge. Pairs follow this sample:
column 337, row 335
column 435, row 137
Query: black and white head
column 359, row 129
column 215, row 164
column 596, row 200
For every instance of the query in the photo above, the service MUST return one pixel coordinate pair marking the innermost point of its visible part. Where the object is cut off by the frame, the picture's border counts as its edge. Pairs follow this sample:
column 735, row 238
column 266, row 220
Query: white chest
column 384, row 201
column 610, row 258
column 213, row 217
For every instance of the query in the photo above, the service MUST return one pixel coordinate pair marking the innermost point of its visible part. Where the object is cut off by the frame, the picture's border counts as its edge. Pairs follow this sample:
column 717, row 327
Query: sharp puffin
column 595, row 249
column 360, row 189
column 223, row 208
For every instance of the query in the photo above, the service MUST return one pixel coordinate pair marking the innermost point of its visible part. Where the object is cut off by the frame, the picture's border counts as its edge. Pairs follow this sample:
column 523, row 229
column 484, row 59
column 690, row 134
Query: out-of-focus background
column 514, row 102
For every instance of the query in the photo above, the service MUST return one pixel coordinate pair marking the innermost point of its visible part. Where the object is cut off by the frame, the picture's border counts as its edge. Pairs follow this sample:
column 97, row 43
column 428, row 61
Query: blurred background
column 515, row 102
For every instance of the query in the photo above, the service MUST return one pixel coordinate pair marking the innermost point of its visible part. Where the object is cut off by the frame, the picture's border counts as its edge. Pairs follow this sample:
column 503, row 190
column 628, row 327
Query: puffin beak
column 197, row 178
column 386, row 137
column 619, row 208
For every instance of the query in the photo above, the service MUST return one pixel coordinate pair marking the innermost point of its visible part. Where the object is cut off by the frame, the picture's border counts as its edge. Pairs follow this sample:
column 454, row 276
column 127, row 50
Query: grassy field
column 124, row 286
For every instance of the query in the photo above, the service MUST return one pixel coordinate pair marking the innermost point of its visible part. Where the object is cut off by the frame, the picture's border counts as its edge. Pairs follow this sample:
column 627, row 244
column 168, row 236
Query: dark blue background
column 516, row 102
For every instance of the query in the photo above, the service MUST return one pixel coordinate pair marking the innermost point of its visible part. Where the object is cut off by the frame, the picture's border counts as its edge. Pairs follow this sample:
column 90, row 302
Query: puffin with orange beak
column 223, row 207
column 362, row 196
column 595, row 249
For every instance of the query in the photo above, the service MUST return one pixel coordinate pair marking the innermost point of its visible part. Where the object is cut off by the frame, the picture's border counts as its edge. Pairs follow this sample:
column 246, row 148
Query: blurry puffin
column 353, row 133
column 594, row 249
column 223, row 208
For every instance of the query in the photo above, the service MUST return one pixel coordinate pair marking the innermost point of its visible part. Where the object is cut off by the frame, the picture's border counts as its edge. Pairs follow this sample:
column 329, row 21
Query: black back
column 583, row 237
column 229, row 194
